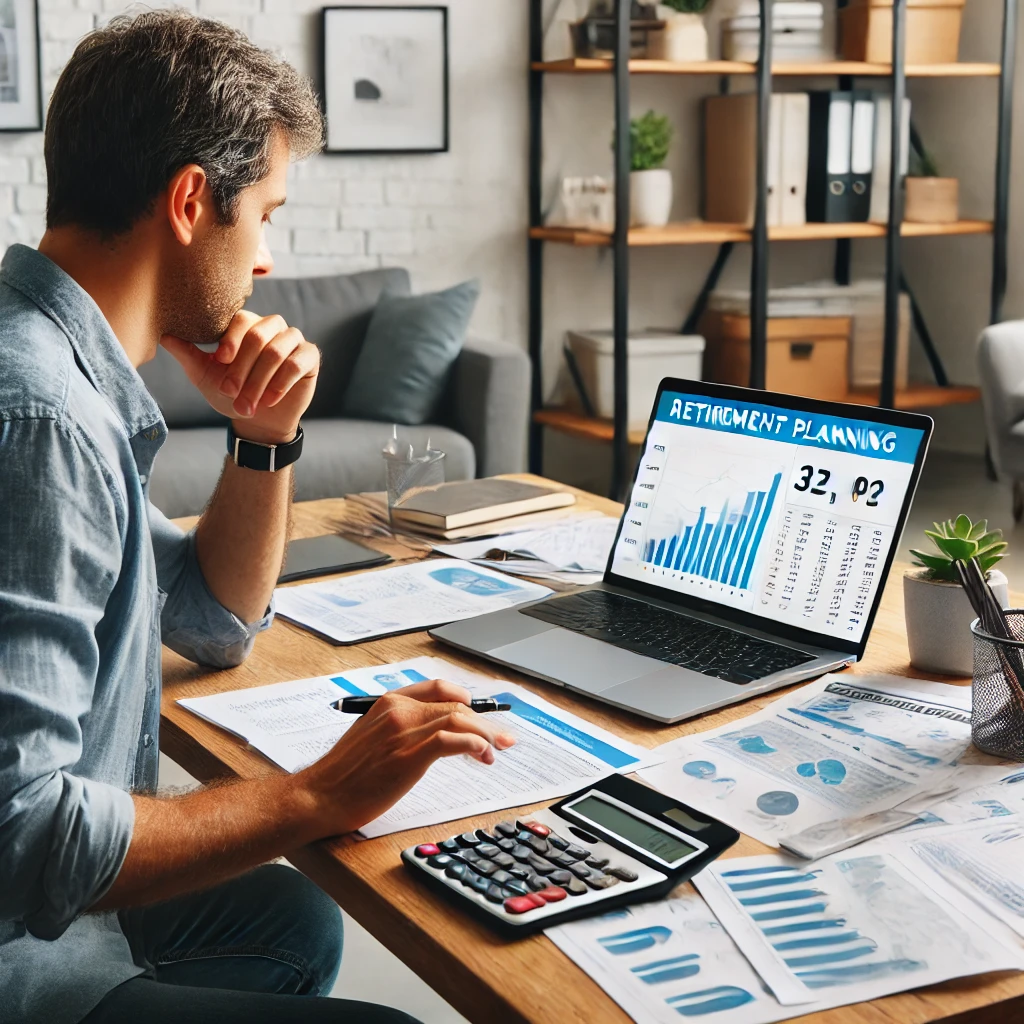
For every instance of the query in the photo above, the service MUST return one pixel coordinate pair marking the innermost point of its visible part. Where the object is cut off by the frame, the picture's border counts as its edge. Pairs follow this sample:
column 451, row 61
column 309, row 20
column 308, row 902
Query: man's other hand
column 386, row 752
column 262, row 375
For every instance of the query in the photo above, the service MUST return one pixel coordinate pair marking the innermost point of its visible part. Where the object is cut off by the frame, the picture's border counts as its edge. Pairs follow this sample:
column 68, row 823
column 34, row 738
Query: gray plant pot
column 939, row 618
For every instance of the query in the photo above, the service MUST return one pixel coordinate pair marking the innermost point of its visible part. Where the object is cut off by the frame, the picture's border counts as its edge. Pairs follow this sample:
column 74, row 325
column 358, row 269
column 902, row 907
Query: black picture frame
column 35, row 122
column 444, row 131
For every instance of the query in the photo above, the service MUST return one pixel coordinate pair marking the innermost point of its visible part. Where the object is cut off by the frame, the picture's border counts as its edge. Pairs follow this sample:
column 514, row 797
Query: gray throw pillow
column 410, row 346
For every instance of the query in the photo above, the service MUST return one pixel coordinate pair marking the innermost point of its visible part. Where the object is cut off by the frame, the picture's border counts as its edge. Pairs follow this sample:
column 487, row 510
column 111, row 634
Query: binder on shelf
column 879, row 211
column 828, row 157
column 793, row 158
column 862, row 146
column 774, row 183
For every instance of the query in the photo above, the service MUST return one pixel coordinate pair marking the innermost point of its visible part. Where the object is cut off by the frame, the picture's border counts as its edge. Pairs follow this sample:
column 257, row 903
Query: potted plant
column 937, row 610
column 684, row 37
column 930, row 199
column 650, row 183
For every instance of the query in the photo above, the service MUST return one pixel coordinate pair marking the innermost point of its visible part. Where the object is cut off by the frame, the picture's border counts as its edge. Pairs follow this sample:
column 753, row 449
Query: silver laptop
column 752, row 554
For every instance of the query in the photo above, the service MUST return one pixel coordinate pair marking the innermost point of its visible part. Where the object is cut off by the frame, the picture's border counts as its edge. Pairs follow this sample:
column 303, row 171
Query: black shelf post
column 893, row 268
column 1002, row 210
column 620, row 252
column 759, row 236
column 535, row 247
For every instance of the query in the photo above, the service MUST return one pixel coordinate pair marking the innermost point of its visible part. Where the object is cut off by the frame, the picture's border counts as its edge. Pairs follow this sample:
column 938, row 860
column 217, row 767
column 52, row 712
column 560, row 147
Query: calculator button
column 427, row 850
column 520, row 905
column 506, row 828
column 577, row 852
column 536, row 883
column 540, row 865
column 575, row 887
column 520, row 852
column 469, row 856
column 552, row 894
column 580, row 833
column 580, row 871
column 487, row 849
column 449, row 845
column 536, row 844
column 562, row 860
column 602, row 881
column 537, row 828
column 518, row 886
column 486, row 836
column 476, row 882
column 468, row 839
column 597, row 862
column 484, row 867
column 457, row 870
column 518, row 871
column 624, row 873
column 440, row 861
column 503, row 860
column 508, row 845
column 498, row 893
column 559, row 877
column 502, row 877
column 557, row 841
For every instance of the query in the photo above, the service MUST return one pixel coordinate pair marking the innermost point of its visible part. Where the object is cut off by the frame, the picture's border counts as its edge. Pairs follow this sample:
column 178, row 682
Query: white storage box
column 864, row 301
column 797, row 32
column 653, row 354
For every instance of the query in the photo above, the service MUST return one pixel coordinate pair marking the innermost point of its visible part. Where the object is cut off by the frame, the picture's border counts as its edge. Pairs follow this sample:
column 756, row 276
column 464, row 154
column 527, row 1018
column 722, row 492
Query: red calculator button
column 538, row 829
column 552, row 894
column 520, row 904
column 427, row 850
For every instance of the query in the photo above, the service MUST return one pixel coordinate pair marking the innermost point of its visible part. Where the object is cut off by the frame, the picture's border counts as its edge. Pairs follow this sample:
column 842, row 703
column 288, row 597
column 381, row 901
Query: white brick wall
column 446, row 217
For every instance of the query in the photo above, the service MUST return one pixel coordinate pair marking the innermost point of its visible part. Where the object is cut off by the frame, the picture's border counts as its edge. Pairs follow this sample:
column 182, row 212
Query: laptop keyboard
column 668, row 636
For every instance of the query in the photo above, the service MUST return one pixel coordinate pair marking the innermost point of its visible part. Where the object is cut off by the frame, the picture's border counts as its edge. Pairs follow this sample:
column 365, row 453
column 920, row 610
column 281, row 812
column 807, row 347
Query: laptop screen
column 778, row 512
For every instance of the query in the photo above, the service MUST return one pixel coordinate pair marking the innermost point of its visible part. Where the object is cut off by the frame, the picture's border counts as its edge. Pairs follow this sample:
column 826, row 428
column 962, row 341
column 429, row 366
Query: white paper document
column 849, row 928
column 668, row 961
column 839, row 747
column 408, row 597
column 573, row 552
column 555, row 753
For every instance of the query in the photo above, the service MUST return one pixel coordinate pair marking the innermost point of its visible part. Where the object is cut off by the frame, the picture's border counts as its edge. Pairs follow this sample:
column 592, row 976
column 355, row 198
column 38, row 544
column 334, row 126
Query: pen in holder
column 409, row 472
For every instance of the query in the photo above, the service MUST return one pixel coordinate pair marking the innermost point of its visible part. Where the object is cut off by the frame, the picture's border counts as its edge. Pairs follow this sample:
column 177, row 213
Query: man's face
column 210, row 279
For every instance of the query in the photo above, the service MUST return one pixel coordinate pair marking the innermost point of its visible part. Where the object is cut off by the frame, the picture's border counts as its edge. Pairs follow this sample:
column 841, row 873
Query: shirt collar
column 75, row 312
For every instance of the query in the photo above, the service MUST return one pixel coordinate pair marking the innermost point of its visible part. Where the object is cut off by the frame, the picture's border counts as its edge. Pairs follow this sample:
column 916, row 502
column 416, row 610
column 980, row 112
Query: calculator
column 615, row 842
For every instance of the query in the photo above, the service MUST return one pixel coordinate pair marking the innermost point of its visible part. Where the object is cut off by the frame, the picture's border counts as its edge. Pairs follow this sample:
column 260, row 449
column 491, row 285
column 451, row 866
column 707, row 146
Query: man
column 167, row 144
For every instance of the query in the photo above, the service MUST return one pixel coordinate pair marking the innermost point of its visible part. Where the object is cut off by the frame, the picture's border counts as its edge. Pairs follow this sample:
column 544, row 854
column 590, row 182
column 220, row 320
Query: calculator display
column 666, row 846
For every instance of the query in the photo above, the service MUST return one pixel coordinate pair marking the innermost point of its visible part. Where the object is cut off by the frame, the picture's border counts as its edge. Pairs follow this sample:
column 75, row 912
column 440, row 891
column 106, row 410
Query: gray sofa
column 481, row 424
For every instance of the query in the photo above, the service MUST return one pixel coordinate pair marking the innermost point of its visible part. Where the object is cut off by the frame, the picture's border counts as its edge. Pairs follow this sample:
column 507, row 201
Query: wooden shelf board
column 581, row 65
column 914, row 396
column 701, row 232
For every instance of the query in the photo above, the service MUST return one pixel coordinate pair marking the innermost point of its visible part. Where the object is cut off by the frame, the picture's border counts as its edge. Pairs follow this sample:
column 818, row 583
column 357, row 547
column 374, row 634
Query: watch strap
column 268, row 458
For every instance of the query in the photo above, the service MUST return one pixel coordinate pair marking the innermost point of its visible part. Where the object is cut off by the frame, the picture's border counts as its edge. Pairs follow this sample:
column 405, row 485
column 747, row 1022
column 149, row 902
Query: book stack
column 798, row 28
column 828, row 157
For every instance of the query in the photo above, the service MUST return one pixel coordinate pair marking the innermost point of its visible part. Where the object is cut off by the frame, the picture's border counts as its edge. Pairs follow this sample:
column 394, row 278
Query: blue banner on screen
column 779, row 512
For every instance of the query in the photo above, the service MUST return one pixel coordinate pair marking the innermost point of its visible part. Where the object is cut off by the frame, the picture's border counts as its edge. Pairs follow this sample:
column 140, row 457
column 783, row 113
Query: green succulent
column 958, row 540
column 687, row 6
column 649, row 139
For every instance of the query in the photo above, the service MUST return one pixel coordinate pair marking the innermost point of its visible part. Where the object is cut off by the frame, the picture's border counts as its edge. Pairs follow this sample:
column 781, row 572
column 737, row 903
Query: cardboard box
column 807, row 356
column 932, row 37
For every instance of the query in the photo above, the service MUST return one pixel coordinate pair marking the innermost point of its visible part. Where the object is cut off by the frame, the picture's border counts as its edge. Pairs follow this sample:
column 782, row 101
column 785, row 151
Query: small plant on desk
column 938, row 613
column 650, row 184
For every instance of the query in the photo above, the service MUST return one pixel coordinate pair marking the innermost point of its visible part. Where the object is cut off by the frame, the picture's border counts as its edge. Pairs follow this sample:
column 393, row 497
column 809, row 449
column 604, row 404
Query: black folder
column 839, row 156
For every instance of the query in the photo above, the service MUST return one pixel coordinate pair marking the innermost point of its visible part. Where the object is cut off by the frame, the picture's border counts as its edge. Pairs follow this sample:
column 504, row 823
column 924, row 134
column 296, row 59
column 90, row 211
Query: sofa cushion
column 333, row 313
column 178, row 398
column 338, row 457
column 410, row 346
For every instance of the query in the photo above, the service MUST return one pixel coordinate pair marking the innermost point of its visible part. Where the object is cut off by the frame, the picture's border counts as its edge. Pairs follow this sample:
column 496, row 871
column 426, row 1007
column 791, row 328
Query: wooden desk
column 482, row 976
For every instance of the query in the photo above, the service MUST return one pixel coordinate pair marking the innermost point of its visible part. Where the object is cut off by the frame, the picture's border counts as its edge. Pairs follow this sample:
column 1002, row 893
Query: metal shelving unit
column 726, row 235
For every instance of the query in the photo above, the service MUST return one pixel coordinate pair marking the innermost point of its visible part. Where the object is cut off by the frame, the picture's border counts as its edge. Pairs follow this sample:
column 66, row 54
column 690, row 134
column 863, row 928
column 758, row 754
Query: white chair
column 1001, row 367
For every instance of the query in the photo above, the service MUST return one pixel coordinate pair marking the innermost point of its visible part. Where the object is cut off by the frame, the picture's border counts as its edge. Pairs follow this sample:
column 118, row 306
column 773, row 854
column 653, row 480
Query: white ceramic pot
column 650, row 198
column 939, row 618
column 683, row 39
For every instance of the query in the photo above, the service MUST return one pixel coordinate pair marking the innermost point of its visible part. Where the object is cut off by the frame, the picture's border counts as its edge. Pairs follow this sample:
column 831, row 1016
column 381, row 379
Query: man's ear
column 188, row 198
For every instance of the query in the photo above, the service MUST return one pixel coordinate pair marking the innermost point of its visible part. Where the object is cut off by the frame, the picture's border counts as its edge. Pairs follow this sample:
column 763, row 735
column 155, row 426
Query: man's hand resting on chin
column 262, row 375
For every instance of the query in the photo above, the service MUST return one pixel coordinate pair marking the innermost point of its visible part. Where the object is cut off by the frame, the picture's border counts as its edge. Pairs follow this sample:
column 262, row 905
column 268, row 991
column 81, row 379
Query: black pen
column 360, row 705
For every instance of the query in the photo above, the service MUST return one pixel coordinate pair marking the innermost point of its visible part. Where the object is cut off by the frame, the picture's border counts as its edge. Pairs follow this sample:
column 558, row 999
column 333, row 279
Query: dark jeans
column 241, row 952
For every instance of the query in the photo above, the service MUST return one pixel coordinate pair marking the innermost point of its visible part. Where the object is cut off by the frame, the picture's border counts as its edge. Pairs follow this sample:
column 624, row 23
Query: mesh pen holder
column 997, row 709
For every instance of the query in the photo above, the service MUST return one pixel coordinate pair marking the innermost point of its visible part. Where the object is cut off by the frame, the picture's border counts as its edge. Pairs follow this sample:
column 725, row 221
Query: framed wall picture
column 21, row 102
column 385, row 79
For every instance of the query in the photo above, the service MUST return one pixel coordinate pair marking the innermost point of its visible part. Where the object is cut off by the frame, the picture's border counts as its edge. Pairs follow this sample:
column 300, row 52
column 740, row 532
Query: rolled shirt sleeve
column 194, row 623
column 63, row 837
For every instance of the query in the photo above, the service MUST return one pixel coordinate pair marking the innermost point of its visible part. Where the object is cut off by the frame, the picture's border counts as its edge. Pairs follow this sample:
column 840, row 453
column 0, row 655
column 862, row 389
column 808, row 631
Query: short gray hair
column 154, row 92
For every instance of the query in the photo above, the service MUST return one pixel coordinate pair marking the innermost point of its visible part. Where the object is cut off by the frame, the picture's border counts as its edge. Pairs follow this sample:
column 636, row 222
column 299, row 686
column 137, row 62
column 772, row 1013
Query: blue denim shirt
column 92, row 577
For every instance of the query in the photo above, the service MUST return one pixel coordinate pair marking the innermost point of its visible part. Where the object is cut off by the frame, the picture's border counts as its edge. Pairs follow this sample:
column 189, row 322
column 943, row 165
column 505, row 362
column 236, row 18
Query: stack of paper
column 555, row 753
column 573, row 552
column 400, row 600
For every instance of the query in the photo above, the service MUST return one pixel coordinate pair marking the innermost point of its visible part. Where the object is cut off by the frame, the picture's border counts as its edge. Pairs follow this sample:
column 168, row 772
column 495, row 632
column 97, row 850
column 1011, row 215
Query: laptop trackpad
column 578, row 661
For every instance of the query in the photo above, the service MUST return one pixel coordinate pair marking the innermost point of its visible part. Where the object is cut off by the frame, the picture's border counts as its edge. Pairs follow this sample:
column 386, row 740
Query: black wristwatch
column 267, row 457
